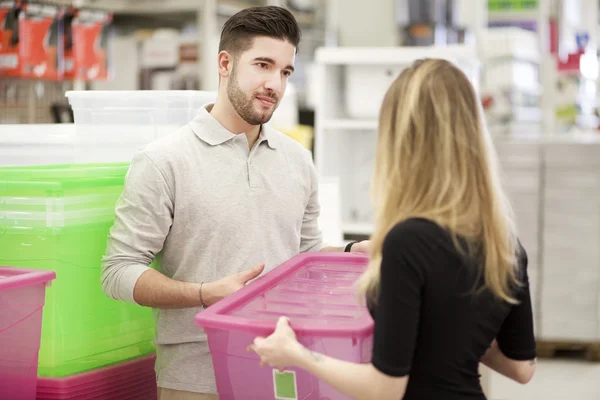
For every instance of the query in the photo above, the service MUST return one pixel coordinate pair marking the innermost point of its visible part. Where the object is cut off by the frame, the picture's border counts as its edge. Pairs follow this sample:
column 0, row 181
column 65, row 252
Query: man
column 221, row 194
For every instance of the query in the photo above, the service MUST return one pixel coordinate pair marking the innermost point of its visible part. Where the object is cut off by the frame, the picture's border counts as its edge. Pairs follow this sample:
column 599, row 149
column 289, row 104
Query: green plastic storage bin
column 61, row 223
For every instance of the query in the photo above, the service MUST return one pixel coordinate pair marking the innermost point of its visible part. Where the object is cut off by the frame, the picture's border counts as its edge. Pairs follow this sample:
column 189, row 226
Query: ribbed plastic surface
column 22, row 296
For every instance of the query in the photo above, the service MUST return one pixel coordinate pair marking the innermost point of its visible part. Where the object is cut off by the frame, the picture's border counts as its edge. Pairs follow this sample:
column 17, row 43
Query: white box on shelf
column 330, row 218
column 511, row 74
column 121, row 122
column 369, row 72
column 511, row 42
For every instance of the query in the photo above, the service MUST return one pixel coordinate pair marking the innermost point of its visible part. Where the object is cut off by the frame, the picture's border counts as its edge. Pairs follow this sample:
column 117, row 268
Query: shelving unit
column 145, row 7
column 345, row 126
column 521, row 161
column 210, row 16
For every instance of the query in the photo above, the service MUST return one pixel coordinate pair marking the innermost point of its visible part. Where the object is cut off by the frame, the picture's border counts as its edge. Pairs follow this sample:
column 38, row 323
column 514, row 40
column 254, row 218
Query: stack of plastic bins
column 22, row 296
column 130, row 380
column 317, row 292
column 58, row 218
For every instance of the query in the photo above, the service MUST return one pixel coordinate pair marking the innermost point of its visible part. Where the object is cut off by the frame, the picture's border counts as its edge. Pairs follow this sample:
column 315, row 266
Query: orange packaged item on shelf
column 86, row 55
column 31, row 45
column 39, row 34
column 9, row 38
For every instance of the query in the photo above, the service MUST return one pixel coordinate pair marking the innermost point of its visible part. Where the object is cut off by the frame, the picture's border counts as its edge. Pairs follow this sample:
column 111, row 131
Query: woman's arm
column 520, row 371
column 512, row 354
column 359, row 381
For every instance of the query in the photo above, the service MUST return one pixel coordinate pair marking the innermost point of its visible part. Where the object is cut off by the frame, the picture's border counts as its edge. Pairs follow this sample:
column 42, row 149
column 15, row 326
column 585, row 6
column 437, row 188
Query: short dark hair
column 271, row 21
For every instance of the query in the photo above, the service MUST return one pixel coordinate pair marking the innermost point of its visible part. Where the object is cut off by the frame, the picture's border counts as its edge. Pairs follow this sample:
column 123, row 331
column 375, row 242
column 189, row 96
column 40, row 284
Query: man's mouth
column 266, row 100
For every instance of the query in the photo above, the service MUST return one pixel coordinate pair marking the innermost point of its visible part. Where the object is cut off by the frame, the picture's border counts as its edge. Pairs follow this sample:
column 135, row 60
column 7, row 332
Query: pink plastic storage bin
column 317, row 292
column 22, row 298
column 131, row 380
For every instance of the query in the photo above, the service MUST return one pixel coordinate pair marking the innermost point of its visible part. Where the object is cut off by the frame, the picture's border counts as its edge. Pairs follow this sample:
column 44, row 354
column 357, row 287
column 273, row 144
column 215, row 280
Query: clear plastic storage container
column 317, row 292
column 116, row 124
column 22, row 298
column 37, row 144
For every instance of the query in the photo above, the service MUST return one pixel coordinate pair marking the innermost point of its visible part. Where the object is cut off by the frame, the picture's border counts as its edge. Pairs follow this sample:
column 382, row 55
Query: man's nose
column 274, row 83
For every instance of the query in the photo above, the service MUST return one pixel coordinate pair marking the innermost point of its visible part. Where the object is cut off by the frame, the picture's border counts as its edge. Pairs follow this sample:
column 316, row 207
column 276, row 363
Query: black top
column 433, row 324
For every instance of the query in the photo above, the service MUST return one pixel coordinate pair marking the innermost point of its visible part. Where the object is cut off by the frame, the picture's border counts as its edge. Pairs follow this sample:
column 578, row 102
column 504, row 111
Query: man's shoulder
column 170, row 147
column 291, row 147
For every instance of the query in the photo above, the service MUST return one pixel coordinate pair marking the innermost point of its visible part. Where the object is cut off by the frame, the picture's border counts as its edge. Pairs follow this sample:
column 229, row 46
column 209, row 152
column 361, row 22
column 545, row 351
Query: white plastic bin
column 36, row 144
column 113, row 125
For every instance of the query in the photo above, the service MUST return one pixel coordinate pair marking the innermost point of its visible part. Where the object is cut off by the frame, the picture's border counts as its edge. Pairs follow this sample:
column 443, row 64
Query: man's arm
column 155, row 290
column 144, row 216
column 311, row 238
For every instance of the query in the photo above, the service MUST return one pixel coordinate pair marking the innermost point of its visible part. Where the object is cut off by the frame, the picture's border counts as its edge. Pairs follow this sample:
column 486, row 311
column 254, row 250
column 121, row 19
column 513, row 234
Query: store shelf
column 513, row 16
column 142, row 7
column 527, row 114
column 390, row 55
column 350, row 124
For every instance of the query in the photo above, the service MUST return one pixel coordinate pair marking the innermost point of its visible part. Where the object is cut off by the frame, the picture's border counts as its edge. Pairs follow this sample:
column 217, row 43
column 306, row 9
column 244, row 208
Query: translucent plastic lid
column 127, row 370
column 38, row 188
column 316, row 291
column 139, row 99
column 62, row 172
column 28, row 220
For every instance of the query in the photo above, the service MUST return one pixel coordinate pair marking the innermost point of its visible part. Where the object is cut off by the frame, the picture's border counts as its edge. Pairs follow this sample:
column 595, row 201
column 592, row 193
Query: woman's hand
column 281, row 349
column 361, row 247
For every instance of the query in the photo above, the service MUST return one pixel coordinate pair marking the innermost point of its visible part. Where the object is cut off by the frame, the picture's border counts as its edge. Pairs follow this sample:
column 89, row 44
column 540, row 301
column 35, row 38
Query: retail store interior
column 85, row 84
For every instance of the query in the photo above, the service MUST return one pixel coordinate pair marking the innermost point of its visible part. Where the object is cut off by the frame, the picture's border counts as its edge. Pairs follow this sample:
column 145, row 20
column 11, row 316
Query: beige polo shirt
column 207, row 207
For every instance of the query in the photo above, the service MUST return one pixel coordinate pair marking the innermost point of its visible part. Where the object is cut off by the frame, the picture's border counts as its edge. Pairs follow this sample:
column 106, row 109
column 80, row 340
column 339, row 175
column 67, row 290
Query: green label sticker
column 285, row 385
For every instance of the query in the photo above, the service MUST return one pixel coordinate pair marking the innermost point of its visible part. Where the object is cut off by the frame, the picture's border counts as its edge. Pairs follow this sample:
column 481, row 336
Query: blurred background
column 534, row 64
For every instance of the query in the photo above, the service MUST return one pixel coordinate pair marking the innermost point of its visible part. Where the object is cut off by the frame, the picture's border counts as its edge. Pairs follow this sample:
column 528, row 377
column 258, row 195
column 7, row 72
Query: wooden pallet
column 549, row 349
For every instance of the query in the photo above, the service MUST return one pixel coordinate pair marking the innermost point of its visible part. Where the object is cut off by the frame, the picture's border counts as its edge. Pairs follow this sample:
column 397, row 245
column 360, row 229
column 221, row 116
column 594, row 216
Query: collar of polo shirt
column 209, row 130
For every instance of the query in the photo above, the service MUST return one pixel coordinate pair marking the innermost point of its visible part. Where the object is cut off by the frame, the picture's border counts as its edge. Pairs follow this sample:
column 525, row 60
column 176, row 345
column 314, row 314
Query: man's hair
column 275, row 22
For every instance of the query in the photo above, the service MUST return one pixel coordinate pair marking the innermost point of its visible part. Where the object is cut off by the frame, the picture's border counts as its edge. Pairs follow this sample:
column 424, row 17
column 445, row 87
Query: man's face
column 259, row 77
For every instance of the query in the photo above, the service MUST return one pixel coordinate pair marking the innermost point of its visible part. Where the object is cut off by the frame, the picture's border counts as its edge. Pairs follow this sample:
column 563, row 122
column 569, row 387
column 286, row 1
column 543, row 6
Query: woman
column 447, row 283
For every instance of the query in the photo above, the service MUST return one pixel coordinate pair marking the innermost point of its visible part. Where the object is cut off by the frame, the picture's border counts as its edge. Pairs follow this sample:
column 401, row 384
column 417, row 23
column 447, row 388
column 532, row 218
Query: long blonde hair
column 435, row 160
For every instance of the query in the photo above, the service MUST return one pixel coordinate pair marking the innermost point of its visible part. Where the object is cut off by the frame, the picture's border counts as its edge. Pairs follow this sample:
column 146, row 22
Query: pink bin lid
column 99, row 376
column 316, row 291
column 11, row 278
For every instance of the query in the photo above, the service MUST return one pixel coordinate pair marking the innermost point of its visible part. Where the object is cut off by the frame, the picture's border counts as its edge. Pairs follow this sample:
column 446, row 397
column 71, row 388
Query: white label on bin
column 284, row 384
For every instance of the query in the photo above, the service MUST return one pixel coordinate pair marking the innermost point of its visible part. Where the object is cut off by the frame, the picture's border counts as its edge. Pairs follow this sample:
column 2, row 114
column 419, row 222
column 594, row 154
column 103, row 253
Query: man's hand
column 212, row 292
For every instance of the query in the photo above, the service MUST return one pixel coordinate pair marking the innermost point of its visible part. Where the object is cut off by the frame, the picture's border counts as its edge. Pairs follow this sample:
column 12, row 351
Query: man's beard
column 244, row 106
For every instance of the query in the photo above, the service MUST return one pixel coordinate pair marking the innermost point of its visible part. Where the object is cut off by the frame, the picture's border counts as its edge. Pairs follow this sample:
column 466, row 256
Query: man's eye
column 287, row 73
column 263, row 65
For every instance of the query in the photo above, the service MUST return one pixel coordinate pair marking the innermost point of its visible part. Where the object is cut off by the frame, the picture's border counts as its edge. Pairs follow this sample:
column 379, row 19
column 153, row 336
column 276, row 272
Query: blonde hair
column 435, row 160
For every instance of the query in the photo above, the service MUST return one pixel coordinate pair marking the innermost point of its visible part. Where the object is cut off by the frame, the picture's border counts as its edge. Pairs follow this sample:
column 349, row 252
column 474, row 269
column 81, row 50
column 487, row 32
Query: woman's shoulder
column 416, row 228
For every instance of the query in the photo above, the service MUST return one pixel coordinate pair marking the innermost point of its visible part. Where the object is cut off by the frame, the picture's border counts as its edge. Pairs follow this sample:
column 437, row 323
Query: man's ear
column 225, row 61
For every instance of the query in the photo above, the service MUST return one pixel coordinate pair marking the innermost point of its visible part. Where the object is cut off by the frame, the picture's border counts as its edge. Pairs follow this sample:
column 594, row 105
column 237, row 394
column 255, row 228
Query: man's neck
column 231, row 121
